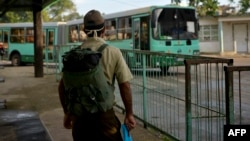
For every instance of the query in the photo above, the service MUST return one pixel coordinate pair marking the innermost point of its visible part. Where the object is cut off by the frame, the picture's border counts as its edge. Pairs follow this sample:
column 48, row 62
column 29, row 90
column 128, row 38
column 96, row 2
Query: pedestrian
column 102, row 126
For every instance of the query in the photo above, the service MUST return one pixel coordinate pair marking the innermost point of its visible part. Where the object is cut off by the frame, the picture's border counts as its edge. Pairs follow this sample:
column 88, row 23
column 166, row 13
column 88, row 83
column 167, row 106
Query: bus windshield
column 175, row 24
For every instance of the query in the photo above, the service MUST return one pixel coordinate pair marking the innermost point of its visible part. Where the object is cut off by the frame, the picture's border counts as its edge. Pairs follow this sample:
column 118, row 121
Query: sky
column 111, row 6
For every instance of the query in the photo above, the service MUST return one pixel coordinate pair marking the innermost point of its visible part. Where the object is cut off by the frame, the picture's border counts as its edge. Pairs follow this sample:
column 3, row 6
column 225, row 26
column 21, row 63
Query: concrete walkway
column 53, row 123
column 22, row 91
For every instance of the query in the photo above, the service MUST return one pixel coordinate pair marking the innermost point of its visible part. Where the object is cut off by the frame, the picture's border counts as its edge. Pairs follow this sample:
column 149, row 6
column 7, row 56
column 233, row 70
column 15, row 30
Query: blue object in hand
column 125, row 133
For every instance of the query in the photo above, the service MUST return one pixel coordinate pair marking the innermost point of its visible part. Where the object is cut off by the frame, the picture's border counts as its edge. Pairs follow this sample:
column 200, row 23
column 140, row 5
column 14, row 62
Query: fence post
column 188, row 101
column 144, row 90
column 229, row 96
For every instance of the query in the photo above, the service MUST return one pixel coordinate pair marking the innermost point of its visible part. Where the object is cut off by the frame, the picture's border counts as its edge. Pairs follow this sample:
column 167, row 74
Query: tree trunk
column 38, row 36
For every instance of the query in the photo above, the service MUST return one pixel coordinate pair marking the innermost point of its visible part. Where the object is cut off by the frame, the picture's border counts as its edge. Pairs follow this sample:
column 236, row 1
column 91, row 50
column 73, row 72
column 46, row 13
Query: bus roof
column 143, row 10
column 128, row 12
column 76, row 21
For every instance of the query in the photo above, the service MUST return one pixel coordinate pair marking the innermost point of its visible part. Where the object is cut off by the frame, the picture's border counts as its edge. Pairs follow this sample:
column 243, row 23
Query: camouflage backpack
column 86, row 87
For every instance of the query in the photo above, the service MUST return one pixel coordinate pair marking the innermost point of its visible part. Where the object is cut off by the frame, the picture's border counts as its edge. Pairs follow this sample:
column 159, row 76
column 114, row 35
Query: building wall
column 236, row 35
column 228, row 37
column 209, row 46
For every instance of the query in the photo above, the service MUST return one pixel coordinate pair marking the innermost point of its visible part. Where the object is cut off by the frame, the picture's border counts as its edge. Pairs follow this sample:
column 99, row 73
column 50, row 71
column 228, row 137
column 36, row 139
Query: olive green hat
column 93, row 20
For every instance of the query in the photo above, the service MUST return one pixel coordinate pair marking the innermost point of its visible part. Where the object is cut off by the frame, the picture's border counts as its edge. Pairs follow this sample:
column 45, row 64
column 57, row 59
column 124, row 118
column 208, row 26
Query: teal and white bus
column 18, row 40
column 169, row 29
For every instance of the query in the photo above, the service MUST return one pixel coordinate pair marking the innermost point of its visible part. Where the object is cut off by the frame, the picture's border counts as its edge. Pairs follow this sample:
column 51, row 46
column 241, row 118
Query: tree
column 205, row 7
column 193, row 2
column 244, row 6
column 19, row 16
column 209, row 7
column 63, row 10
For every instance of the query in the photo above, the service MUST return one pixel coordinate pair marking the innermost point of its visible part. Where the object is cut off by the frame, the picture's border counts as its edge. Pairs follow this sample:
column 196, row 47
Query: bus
column 170, row 29
column 18, row 40
column 74, row 34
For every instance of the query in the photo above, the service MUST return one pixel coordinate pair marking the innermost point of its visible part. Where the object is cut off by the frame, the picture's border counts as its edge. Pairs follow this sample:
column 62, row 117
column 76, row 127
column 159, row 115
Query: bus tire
column 16, row 59
column 164, row 70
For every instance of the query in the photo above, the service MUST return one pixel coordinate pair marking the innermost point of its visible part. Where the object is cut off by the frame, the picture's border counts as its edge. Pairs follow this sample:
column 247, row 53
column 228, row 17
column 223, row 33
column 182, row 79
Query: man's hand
column 129, row 121
column 68, row 121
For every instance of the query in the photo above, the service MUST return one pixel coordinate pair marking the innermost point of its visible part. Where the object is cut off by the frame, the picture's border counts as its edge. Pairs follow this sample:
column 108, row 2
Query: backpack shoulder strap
column 102, row 47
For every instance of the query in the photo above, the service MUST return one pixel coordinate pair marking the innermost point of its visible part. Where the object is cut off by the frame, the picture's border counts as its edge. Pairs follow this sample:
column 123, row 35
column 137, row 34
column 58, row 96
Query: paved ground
column 23, row 91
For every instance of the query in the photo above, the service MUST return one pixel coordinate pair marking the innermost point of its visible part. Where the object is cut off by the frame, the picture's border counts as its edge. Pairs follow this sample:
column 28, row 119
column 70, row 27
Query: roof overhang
column 22, row 5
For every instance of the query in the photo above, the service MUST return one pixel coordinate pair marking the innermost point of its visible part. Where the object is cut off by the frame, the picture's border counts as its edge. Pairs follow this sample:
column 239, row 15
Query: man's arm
column 67, row 120
column 61, row 92
column 126, row 95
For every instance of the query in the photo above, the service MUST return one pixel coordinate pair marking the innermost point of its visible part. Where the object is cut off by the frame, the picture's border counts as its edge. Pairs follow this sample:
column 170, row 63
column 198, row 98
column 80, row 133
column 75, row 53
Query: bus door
column 1, row 45
column 141, row 37
column 141, row 33
column 4, row 41
column 49, row 43
column 136, row 33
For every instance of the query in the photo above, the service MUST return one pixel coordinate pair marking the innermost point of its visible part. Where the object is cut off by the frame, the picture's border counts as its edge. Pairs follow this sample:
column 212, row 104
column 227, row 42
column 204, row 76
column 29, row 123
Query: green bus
column 170, row 29
column 18, row 40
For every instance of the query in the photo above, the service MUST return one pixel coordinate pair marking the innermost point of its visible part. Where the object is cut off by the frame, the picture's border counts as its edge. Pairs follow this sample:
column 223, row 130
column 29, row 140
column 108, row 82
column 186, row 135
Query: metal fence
column 188, row 103
column 53, row 59
column 205, row 99
column 237, row 94
column 184, row 101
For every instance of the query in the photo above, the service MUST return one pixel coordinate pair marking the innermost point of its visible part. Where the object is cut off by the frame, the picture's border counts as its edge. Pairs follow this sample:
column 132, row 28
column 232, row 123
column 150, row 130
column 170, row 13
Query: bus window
column 121, row 28
column 174, row 24
column 1, row 36
column 1, row 45
column 30, row 35
column 110, row 32
column 144, row 34
column 5, row 39
column 44, row 39
column 137, row 34
column 83, row 35
column 17, row 35
column 1, row 39
column 51, row 38
column 124, row 28
column 73, row 33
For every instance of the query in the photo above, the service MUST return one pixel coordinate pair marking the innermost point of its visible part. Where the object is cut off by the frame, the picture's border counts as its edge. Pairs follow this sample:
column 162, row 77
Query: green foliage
column 63, row 10
column 72, row 16
column 192, row 2
column 45, row 16
column 209, row 7
column 205, row 7
column 245, row 5
column 19, row 16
